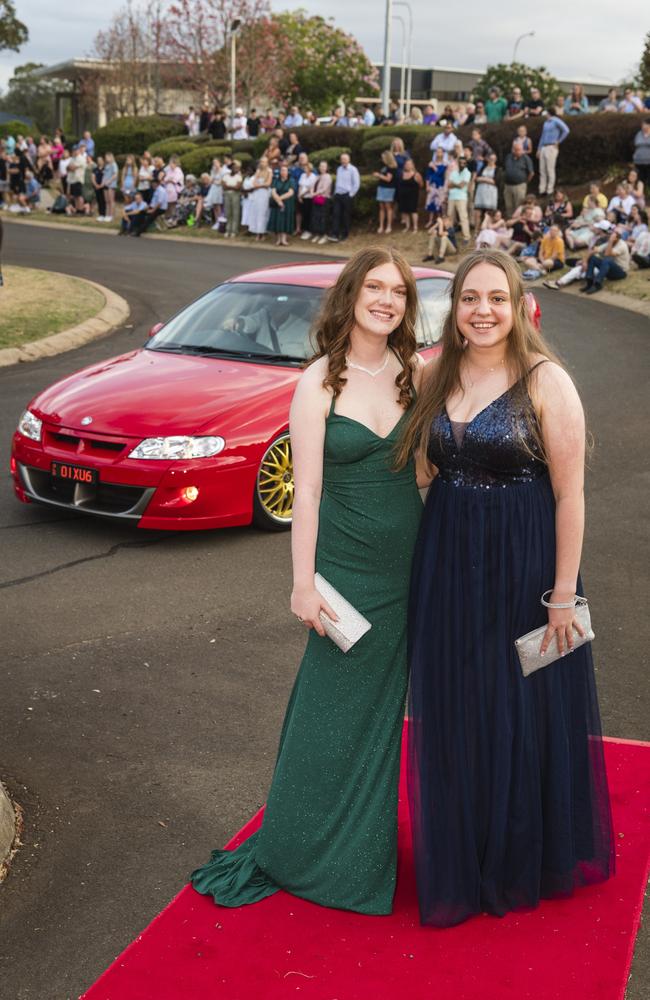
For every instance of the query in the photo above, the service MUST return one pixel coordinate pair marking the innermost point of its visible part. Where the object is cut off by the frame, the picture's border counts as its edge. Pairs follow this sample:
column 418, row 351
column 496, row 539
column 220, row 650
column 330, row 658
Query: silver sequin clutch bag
column 528, row 645
column 351, row 625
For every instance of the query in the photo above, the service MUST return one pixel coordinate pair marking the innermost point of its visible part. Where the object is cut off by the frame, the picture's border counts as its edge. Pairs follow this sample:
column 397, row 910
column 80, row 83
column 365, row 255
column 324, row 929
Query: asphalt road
column 144, row 676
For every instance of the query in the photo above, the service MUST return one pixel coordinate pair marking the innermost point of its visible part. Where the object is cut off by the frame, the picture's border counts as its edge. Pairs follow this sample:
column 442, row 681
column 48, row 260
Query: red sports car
column 191, row 430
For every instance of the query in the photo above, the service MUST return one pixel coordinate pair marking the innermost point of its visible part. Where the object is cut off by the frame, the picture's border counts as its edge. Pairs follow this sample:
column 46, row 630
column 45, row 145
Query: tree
column 31, row 96
column 643, row 75
column 321, row 64
column 13, row 33
column 506, row 76
column 197, row 36
column 131, row 51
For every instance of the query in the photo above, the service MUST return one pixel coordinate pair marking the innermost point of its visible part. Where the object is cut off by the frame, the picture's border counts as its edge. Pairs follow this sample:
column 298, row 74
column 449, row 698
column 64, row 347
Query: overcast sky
column 572, row 40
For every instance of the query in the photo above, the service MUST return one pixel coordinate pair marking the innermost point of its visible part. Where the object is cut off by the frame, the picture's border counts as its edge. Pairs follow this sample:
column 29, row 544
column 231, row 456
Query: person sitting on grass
column 595, row 192
column 31, row 198
column 550, row 253
column 155, row 210
column 494, row 230
column 641, row 251
column 582, row 232
column 621, row 203
column 441, row 240
column 559, row 210
column 134, row 208
column 525, row 231
column 613, row 264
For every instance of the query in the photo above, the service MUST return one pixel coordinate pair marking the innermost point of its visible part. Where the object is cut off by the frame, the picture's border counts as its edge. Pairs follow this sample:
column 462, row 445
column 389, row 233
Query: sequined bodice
column 495, row 449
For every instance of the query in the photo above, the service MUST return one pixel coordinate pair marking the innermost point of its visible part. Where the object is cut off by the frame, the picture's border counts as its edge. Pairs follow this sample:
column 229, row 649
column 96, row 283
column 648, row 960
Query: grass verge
column 36, row 304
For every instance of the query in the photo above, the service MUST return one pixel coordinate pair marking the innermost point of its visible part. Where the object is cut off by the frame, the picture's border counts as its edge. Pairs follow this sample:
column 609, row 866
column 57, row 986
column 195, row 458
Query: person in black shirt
column 205, row 118
column 217, row 127
column 534, row 106
column 253, row 124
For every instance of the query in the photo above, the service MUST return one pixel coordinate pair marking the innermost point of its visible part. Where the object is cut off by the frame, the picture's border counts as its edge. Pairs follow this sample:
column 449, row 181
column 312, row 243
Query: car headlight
column 179, row 447
column 30, row 426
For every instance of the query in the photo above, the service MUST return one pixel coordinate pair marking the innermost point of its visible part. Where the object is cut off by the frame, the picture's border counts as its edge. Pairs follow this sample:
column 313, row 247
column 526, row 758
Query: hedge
column 331, row 153
column 171, row 146
column 595, row 143
column 199, row 161
column 134, row 135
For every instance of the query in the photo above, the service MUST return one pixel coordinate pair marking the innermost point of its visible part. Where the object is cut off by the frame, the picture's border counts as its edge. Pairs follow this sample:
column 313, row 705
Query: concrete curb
column 116, row 310
column 7, row 825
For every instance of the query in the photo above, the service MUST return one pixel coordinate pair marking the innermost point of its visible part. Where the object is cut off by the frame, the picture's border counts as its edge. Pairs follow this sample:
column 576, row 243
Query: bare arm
column 307, row 427
column 425, row 472
column 563, row 430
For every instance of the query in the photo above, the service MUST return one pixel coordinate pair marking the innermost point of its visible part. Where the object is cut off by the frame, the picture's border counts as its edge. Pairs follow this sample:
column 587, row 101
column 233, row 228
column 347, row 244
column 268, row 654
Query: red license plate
column 74, row 473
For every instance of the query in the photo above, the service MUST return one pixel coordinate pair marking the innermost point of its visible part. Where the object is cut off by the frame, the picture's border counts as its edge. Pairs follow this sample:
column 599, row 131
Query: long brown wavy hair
column 442, row 378
column 335, row 321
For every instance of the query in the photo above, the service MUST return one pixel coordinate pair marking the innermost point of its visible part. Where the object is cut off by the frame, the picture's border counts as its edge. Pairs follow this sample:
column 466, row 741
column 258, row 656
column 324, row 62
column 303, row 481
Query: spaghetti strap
column 542, row 362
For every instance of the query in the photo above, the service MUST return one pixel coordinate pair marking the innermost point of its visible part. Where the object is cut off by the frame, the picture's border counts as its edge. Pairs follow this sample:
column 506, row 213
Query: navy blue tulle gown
column 507, row 784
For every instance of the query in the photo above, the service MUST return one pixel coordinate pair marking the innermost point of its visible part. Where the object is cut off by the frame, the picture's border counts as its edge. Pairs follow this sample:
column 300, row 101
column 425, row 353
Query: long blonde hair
column 443, row 377
column 335, row 321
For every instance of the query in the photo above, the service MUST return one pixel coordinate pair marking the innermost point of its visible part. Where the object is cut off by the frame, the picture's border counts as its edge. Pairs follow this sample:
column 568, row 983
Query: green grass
column 36, row 304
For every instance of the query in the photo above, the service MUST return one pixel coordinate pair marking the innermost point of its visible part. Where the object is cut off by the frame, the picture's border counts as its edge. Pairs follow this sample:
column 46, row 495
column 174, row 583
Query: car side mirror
column 154, row 329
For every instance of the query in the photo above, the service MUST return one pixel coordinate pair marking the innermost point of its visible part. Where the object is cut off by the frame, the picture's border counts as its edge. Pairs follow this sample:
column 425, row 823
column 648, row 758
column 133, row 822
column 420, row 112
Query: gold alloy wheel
column 275, row 482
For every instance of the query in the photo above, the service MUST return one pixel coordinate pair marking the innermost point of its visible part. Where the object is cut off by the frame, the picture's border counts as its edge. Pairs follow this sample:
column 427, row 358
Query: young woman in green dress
column 283, row 207
column 329, row 832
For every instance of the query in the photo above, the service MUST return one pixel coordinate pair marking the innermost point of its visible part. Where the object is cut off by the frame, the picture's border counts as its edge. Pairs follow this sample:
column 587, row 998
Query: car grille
column 83, row 444
column 108, row 499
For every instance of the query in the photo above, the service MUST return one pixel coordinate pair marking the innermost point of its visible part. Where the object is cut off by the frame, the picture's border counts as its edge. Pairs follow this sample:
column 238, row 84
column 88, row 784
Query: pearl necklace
column 486, row 371
column 360, row 368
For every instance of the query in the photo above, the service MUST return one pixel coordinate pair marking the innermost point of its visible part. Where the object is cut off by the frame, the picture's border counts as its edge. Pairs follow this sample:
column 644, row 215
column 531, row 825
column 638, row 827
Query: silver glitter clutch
column 528, row 645
column 351, row 625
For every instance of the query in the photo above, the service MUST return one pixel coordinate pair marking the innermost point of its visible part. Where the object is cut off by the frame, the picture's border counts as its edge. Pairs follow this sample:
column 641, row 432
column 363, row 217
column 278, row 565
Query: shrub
column 244, row 146
column 330, row 153
column 199, row 160
column 18, row 128
column 364, row 205
column 173, row 145
column 378, row 142
column 134, row 135
column 315, row 137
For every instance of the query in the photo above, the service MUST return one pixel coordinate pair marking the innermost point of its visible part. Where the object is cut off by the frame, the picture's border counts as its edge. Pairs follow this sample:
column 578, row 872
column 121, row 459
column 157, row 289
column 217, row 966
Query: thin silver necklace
column 360, row 368
column 486, row 372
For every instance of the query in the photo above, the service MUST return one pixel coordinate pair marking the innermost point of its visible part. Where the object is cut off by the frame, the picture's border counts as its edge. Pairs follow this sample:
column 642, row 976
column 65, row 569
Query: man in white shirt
column 445, row 140
column 76, row 171
column 239, row 125
column 369, row 116
column 621, row 203
column 346, row 188
column 294, row 119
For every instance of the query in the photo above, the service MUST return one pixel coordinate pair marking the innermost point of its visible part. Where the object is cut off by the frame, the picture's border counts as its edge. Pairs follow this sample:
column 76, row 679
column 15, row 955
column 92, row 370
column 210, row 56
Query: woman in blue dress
column 507, row 783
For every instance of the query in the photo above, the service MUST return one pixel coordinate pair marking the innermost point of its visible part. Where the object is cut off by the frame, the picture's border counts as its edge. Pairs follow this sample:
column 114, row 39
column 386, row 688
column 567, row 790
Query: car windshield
column 269, row 322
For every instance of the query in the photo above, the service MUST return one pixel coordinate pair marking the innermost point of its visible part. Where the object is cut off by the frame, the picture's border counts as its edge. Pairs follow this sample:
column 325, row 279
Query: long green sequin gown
column 329, row 832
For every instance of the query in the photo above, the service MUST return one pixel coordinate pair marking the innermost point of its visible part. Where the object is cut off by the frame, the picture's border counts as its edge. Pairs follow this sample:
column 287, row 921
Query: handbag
column 319, row 199
column 351, row 625
column 528, row 645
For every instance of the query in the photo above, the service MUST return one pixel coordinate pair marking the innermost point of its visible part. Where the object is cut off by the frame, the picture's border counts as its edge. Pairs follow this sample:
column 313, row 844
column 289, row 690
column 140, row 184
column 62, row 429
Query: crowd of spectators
column 468, row 194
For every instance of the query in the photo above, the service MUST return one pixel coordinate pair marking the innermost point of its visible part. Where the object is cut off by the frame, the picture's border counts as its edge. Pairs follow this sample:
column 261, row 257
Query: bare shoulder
column 553, row 387
column 310, row 390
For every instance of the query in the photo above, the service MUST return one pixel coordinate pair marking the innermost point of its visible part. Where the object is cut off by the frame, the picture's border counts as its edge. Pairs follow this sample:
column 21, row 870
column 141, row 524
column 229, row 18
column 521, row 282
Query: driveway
column 144, row 676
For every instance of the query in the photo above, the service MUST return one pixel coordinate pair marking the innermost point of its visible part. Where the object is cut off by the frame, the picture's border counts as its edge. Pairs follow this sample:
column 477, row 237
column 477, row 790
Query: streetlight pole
column 385, row 83
column 526, row 34
column 234, row 28
column 409, row 78
column 402, row 76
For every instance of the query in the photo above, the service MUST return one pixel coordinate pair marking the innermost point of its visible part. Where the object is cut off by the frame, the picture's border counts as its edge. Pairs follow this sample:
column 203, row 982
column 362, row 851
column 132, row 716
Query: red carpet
column 580, row 948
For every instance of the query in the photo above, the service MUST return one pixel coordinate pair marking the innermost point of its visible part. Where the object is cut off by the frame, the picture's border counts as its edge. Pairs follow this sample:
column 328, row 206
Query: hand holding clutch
column 528, row 646
column 351, row 624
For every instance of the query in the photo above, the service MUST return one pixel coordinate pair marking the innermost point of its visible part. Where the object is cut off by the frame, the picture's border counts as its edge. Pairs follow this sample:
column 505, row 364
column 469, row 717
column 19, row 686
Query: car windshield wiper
column 225, row 352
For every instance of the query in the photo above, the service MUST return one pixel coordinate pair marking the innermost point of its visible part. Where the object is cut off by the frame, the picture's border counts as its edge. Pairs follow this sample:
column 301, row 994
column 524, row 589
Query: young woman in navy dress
column 507, row 782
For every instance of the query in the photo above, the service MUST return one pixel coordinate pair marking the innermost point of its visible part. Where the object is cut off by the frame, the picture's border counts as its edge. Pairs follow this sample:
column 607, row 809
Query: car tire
column 273, row 496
